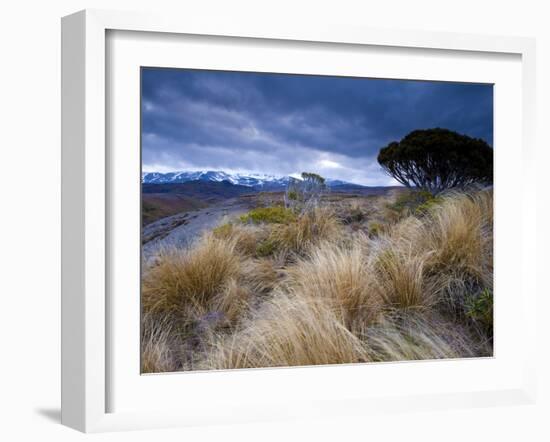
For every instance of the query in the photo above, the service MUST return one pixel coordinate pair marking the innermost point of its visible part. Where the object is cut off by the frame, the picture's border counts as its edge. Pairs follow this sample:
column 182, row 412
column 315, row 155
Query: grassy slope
column 159, row 205
column 161, row 200
column 198, row 189
column 361, row 279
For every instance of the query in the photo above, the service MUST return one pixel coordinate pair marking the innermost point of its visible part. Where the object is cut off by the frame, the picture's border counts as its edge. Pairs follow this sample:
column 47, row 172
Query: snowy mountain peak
column 257, row 181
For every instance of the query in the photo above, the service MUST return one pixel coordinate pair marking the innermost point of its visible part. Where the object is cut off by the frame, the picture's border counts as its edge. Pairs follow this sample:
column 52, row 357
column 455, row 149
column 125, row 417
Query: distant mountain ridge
column 256, row 181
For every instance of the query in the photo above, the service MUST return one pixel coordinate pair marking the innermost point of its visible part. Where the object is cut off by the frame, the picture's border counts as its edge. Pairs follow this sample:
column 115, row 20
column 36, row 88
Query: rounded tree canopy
column 438, row 159
column 313, row 177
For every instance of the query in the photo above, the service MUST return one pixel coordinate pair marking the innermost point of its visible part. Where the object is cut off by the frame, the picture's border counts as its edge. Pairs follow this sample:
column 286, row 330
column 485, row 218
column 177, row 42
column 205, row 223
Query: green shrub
column 375, row 229
column 266, row 248
column 274, row 215
column 412, row 202
column 428, row 205
column 223, row 231
column 480, row 309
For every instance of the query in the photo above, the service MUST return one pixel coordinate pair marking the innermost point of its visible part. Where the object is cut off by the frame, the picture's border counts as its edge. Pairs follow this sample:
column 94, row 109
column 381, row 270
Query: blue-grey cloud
column 284, row 124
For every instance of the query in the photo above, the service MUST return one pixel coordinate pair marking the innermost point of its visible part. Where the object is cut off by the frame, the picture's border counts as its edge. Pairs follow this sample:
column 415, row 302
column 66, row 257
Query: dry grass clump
column 353, row 212
column 440, row 257
column 182, row 281
column 232, row 300
column 157, row 346
column 398, row 264
column 309, row 229
column 417, row 337
column 288, row 331
column 261, row 275
column 244, row 238
column 460, row 234
column 460, row 231
column 342, row 278
column 401, row 278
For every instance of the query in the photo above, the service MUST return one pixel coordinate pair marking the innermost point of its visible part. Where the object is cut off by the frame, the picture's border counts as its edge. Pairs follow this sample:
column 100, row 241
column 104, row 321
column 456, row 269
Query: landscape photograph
column 301, row 220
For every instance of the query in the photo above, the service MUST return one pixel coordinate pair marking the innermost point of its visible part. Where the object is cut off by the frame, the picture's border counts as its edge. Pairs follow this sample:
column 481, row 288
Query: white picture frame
column 86, row 206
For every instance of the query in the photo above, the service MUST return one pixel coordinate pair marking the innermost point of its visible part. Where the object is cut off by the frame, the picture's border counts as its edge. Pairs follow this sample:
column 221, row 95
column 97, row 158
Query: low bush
column 270, row 215
column 266, row 247
column 375, row 228
column 410, row 202
column 223, row 231
column 292, row 195
column 480, row 309
column 428, row 205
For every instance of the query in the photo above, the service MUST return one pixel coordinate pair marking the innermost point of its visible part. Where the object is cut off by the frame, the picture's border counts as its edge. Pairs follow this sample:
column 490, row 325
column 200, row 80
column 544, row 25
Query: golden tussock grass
column 321, row 293
column 339, row 276
column 288, row 331
column 309, row 229
column 400, row 278
column 231, row 300
column 157, row 346
column 411, row 336
column 437, row 257
column 181, row 281
column 458, row 237
column 261, row 275
column 244, row 238
column 460, row 232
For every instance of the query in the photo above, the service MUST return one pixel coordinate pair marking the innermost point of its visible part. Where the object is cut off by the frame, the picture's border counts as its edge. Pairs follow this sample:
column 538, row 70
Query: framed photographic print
column 274, row 222
column 282, row 226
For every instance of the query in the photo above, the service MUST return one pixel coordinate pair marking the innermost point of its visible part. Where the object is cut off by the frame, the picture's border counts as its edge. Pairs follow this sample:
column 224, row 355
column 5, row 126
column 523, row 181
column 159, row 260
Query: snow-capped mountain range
column 257, row 181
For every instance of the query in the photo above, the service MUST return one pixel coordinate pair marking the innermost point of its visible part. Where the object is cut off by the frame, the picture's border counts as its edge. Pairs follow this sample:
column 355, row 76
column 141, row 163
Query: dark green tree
column 438, row 159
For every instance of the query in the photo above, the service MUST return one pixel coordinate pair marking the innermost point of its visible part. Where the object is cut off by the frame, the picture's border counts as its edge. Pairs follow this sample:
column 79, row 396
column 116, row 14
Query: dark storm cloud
column 284, row 124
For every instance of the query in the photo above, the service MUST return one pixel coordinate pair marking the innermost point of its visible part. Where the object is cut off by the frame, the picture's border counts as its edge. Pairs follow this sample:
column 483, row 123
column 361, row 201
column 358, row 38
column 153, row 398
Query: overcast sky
column 285, row 124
